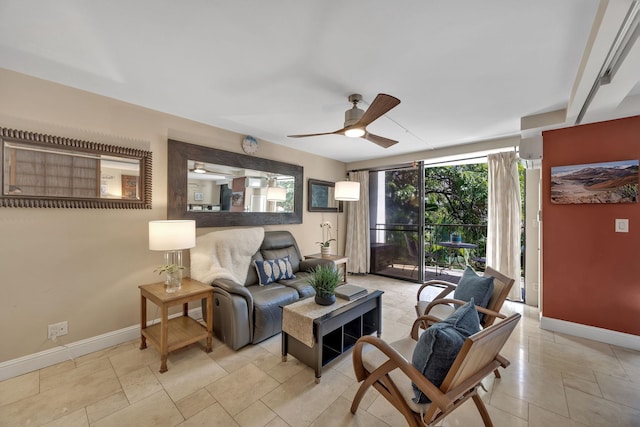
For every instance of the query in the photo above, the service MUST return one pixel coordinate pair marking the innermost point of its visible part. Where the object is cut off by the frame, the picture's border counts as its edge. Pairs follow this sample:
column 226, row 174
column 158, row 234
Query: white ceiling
column 465, row 70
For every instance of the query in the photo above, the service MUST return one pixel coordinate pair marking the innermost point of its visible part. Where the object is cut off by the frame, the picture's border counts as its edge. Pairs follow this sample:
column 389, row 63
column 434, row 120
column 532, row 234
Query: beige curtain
column 357, row 246
column 503, row 235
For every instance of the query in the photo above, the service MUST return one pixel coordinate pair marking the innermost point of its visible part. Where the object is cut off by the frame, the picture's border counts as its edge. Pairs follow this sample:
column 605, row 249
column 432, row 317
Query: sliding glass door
column 396, row 215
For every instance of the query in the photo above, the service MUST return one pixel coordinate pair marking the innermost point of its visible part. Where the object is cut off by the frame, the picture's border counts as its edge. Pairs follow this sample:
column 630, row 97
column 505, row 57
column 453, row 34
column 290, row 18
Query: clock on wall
column 250, row 145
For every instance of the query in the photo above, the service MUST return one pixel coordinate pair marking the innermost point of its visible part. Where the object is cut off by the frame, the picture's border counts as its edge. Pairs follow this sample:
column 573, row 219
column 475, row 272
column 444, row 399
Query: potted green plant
column 324, row 279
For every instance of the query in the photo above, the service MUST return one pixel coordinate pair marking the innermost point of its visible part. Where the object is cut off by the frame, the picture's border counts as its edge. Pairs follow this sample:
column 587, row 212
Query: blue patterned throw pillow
column 272, row 270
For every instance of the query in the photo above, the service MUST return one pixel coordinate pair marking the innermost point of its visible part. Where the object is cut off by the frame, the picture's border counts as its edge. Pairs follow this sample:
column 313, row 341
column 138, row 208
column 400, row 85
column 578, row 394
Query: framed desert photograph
column 610, row 182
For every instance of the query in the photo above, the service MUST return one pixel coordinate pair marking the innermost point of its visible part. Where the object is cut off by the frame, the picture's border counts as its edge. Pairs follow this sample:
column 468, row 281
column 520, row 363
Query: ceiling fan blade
column 380, row 106
column 316, row 134
column 380, row 140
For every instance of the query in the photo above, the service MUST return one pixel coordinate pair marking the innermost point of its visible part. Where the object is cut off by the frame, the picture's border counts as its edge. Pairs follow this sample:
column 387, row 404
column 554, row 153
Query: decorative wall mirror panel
column 220, row 188
column 321, row 196
column 55, row 172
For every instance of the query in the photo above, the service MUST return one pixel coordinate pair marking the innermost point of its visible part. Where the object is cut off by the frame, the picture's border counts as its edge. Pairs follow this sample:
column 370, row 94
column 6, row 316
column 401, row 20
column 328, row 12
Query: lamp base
column 173, row 282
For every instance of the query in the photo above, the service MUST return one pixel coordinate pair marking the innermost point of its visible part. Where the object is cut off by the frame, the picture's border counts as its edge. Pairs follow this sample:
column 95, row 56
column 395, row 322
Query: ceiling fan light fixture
column 199, row 168
column 357, row 120
column 354, row 133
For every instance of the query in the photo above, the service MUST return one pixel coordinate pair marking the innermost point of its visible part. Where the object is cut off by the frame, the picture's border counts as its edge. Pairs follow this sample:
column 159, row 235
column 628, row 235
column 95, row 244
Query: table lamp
column 172, row 236
column 276, row 194
column 345, row 191
column 348, row 191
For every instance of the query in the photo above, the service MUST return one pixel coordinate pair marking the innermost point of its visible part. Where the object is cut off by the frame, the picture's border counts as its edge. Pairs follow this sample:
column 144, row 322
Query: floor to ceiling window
column 456, row 215
column 415, row 211
column 396, row 221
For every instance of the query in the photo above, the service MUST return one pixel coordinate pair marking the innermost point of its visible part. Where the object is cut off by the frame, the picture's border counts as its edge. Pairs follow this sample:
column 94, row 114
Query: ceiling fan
column 199, row 167
column 356, row 120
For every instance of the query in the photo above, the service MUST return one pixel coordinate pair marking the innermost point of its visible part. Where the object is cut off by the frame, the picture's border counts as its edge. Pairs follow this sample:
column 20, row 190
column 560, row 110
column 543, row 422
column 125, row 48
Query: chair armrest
column 504, row 362
column 447, row 287
column 234, row 288
column 396, row 360
column 485, row 311
column 310, row 264
column 422, row 322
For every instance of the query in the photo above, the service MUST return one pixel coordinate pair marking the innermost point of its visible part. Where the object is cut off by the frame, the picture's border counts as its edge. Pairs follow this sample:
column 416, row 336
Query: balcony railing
column 395, row 246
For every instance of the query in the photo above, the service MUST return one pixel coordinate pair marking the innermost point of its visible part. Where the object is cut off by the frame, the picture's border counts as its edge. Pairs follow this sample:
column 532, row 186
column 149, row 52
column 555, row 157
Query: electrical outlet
column 57, row 329
column 53, row 332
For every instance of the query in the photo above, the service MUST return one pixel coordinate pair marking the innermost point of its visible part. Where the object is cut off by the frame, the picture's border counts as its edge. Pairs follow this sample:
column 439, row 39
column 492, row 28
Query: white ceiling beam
column 543, row 120
column 586, row 90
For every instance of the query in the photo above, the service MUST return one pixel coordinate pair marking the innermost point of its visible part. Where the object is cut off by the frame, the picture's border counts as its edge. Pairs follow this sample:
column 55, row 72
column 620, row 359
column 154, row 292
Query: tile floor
column 553, row 380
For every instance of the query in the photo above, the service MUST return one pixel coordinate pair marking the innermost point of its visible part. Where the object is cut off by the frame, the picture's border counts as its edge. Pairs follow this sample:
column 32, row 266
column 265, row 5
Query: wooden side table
column 172, row 334
column 337, row 260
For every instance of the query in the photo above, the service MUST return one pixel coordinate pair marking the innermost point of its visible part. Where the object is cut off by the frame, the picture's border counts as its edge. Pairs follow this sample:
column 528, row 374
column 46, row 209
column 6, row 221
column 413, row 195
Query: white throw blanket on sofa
column 225, row 254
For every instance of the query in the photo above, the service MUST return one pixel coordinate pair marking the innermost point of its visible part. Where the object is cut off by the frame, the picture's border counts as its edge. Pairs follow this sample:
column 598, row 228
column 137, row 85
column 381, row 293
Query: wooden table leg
column 318, row 351
column 379, row 315
column 143, row 321
column 209, row 320
column 346, row 271
column 164, row 337
column 285, row 345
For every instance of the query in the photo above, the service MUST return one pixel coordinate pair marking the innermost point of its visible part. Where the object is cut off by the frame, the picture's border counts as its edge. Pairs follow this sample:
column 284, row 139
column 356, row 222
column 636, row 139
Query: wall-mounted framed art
column 607, row 182
column 321, row 196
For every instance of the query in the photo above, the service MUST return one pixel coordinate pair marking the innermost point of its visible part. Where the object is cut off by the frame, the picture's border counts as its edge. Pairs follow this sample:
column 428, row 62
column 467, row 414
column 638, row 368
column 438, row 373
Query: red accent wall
column 591, row 274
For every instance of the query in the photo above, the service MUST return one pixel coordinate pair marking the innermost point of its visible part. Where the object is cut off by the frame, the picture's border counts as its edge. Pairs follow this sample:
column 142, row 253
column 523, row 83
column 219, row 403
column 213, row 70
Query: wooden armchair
column 388, row 369
column 440, row 307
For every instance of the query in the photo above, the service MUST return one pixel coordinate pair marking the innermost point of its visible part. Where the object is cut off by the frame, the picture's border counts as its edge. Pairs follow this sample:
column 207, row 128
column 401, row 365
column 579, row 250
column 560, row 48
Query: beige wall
column 84, row 265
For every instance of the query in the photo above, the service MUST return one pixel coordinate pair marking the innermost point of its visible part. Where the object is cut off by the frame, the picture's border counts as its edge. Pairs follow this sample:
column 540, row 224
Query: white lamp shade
column 276, row 194
column 348, row 191
column 172, row 235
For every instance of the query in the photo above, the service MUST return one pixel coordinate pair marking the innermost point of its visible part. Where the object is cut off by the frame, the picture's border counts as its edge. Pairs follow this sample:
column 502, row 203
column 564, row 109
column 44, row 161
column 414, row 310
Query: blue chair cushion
column 440, row 344
column 471, row 285
column 465, row 319
column 272, row 270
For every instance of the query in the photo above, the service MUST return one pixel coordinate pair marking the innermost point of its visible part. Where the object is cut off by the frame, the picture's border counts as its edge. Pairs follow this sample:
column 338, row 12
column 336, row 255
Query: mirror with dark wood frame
column 321, row 196
column 222, row 188
column 218, row 188
column 56, row 172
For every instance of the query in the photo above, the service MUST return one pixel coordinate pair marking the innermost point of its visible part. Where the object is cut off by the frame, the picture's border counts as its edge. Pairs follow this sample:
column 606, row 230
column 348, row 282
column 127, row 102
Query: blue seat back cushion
column 471, row 285
column 439, row 345
column 272, row 270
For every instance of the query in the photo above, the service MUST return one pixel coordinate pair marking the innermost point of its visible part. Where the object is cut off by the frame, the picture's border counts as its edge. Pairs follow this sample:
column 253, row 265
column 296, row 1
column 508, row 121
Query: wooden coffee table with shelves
column 178, row 332
column 336, row 332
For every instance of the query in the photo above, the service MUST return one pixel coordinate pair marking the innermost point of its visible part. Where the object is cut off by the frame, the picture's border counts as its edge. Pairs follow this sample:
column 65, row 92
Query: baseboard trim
column 619, row 339
column 32, row 362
